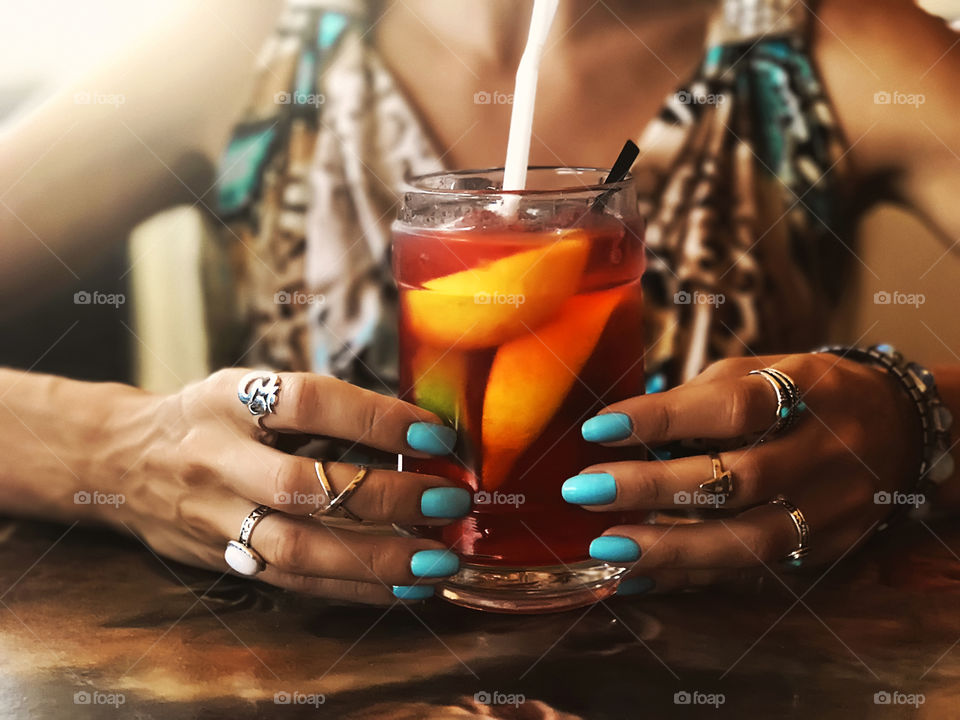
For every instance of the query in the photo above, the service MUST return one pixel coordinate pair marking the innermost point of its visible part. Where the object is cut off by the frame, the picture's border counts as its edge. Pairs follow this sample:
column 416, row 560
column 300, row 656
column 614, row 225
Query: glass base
column 542, row 589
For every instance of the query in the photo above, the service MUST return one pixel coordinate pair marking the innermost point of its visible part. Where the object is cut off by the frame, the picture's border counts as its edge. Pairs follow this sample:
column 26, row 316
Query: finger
column 835, row 514
column 327, row 406
column 758, row 473
column 641, row 581
column 300, row 546
column 401, row 497
column 761, row 536
column 290, row 483
column 724, row 409
column 733, row 367
column 322, row 405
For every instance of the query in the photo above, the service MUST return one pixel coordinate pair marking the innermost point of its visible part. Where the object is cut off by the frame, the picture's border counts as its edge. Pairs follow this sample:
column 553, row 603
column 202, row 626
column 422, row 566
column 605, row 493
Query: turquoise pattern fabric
column 257, row 136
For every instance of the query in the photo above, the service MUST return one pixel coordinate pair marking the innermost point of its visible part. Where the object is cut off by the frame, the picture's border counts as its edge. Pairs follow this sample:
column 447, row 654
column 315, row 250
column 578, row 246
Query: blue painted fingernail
column 434, row 563
column 635, row 586
column 590, row 489
column 661, row 454
column 413, row 592
column 431, row 438
column 614, row 548
column 445, row 502
column 607, row 427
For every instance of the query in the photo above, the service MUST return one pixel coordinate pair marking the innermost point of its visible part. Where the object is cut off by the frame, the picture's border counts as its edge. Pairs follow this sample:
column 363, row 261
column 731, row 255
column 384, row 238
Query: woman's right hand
column 191, row 467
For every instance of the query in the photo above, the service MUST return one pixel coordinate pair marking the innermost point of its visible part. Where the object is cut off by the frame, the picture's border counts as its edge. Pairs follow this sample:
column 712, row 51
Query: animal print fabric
column 740, row 177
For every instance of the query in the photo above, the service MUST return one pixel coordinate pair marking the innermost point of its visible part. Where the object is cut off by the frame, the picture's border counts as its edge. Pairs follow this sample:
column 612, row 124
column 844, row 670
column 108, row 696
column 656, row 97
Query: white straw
column 524, row 97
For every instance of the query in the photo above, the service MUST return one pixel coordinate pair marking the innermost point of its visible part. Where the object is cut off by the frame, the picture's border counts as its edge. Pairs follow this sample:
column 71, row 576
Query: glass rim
column 408, row 183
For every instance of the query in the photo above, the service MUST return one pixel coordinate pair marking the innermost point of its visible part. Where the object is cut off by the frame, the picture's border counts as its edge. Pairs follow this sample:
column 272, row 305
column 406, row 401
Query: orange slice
column 532, row 375
column 488, row 305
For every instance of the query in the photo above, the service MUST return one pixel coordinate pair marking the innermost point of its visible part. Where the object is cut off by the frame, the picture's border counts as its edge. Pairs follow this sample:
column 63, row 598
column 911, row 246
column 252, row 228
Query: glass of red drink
column 520, row 317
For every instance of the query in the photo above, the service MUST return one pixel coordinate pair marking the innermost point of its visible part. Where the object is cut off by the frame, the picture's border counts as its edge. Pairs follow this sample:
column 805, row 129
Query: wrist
column 935, row 421
column 118, row 429
column 907, row 431
column 61, row 439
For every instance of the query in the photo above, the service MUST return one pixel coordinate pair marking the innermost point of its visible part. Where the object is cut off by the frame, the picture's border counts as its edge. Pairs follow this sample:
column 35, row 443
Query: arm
column 54, row 434
column 182, row 472
column 76, row 177
column 892, row 46
column 895, row 46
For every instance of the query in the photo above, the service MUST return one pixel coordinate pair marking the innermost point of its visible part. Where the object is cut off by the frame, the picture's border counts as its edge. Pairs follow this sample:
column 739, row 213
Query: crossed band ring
column 239, row 554
column 331, row 503
column 789, row 403
column 259, row 390
column 795, row 557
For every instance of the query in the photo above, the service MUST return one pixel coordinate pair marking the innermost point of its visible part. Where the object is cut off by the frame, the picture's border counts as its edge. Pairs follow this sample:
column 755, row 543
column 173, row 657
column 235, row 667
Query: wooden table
column 95, row 626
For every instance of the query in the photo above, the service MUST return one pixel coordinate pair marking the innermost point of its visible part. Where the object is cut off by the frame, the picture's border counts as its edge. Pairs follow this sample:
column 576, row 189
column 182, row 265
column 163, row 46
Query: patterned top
column 745, row 250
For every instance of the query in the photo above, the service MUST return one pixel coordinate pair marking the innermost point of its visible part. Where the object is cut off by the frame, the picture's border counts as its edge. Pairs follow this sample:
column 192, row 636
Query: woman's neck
column 494, row 32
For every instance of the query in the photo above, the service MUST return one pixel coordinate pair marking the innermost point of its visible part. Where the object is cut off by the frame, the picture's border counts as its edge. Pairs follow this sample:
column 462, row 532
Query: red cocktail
column 520, row 319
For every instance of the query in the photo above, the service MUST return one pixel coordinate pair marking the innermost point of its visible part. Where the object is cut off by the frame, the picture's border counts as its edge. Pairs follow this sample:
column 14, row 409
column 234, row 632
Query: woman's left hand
column 858, row 437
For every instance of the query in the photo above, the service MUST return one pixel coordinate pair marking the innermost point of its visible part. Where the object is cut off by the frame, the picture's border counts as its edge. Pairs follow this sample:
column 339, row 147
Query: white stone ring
column 239, row 555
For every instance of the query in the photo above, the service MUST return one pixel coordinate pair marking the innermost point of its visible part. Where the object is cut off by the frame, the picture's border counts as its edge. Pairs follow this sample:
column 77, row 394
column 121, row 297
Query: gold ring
column 722, row 481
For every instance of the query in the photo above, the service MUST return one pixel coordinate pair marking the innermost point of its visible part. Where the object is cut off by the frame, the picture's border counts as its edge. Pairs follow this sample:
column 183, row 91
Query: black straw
column 618, row 172
column 624, row 162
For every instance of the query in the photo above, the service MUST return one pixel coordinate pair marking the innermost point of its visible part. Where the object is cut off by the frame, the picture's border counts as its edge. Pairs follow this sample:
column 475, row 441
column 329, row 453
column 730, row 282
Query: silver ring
column 259, row 391
column 789, row 403
column 335, row 503
column 795, row 558
column 239, row 555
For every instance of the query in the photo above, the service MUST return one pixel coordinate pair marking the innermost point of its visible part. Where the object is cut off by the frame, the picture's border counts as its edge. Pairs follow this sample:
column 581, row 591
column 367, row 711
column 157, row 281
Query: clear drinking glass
column 520, row 318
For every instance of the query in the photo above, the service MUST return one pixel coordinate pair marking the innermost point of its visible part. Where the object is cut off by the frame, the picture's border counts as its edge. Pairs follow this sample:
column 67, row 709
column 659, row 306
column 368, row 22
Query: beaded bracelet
column 935, row 418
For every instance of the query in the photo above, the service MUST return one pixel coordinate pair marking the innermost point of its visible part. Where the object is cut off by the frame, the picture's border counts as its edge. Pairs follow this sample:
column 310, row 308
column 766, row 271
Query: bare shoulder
column 897, row 30
column 891, row 70
column 889, row 67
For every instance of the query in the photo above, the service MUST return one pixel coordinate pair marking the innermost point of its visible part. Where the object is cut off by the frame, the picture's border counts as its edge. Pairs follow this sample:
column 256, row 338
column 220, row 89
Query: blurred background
column 45, row 44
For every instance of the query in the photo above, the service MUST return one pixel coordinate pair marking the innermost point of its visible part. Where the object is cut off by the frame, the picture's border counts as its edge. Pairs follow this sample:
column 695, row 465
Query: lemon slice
column 488, row 305
column 532, row 375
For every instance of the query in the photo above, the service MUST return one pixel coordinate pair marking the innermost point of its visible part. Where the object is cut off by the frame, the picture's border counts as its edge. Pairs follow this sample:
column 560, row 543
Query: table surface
column 91, row 616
